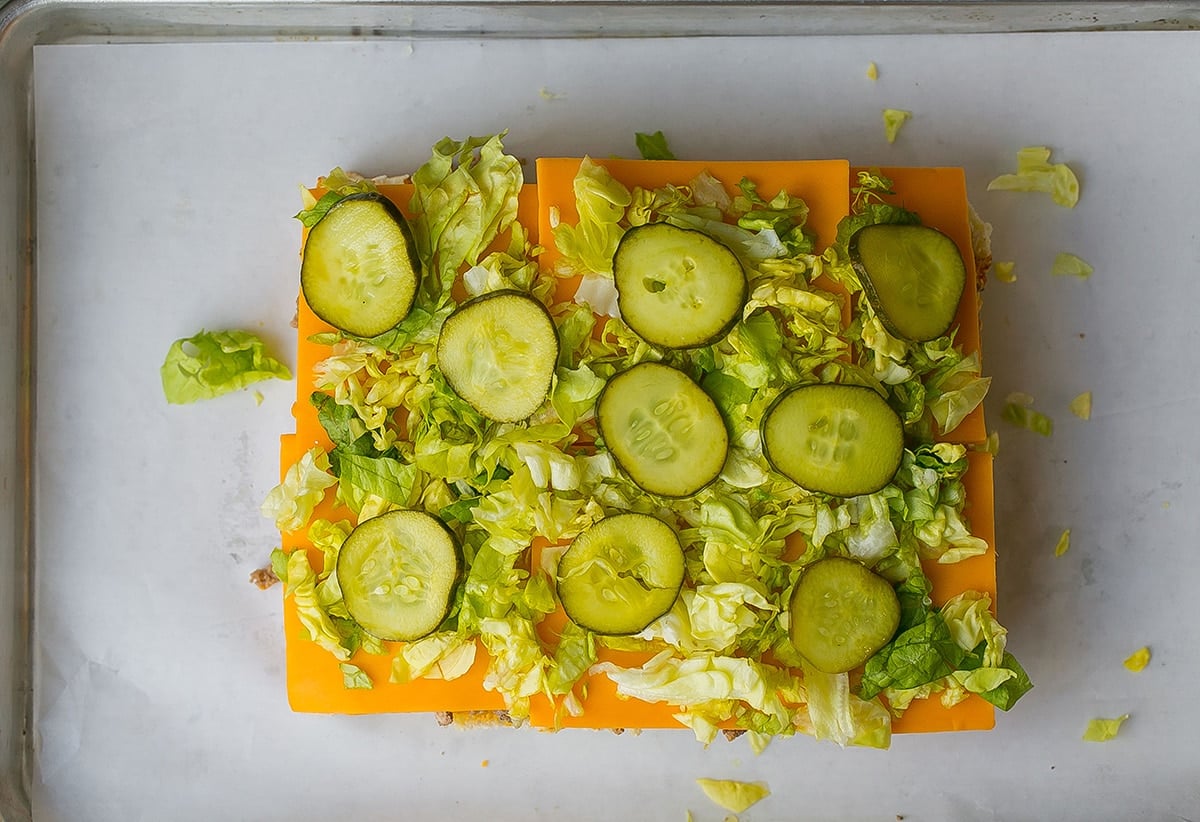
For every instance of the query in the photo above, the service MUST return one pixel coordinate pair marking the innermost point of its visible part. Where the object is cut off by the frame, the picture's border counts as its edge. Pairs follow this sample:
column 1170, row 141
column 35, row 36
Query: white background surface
column 167, row 176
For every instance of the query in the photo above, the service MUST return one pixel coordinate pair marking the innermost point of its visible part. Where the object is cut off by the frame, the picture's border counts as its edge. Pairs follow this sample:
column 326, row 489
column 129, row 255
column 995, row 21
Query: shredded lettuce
column 338, row 185
column 733, row 795
column 1138, row 660
column 211, row 363
column 1063, row 544
column 1018, row 411
column 1102, row 730
column 1036, row 173
column 1070, row 265
column 301, row 585
column 893, row 120
column 601, row 201
column 355, row 678
column 841, row 717
column 1081, row 406
column 444, row 655
column 872, row 71
column 1005, row 271
column 464, row 196
column 291, row 503
column 653, row 146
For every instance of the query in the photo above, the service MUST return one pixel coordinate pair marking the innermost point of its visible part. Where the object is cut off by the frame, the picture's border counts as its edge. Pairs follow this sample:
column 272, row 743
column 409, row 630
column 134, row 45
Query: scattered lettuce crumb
column 1064, row 543
column 1102, row 730
column 1004, row 272
column 1138, row 660
column 1018, row 411
column 212, row 363
column 355, row 678
column 893, row 119
column 992, row 444
column 1036, row 173
column 872, row 71
column 547, row 94
column 653, row 146
column 1081, row 406
column 1069, row 265
column 258, row 397
column 733, row 795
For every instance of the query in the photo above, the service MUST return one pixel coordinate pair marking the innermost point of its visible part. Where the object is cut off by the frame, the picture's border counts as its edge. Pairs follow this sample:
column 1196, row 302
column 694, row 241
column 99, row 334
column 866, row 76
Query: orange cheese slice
column 314, row 680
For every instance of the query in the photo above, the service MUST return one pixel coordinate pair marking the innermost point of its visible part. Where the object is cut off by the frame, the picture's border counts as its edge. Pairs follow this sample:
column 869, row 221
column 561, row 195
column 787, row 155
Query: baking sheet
column 166, row 176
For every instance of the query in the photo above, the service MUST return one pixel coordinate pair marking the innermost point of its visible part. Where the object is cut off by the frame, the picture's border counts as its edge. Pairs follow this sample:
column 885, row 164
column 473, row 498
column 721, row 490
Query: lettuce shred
column 1035, row 172
column 399, row 437
column 211, row 363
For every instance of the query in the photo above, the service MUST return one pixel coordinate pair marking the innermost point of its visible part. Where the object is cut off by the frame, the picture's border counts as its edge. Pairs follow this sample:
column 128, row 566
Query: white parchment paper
column 166, row 179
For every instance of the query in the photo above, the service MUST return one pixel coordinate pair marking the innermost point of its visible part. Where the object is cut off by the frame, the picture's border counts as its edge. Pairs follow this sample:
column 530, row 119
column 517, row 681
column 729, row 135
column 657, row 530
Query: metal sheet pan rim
column 27, row 23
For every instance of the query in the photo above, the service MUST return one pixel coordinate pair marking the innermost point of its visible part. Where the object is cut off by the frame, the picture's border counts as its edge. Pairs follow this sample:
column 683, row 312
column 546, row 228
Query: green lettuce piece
column 1102, row 730
column 733, row 795
column 1138, row 660
column 1069, row 265
column 839, row 716
column 1081, row 406
column 924, row 649
column 601, row 201
column 212, row 363
column 1005, row 272
column 444, row 655
column 576, row 652
column 338, row 186
column 783, row 216
column 873, row 214
column 327, row 537
column 719, row 613
column 700, row 679
column 1064, row 543
column 1009, row 688
column 279, row 560
column 344, row 427
column 463, row 197
column 954, row 392
column 893, row 120
column 653, row 146
column 1018, row 411
column 574, row 393
column 301, row 582
column 1036, row 173
column 373, row 382
column 290, row 504
column 383, row 477
column 354, row 677
column 989, row 670
column 517, row 666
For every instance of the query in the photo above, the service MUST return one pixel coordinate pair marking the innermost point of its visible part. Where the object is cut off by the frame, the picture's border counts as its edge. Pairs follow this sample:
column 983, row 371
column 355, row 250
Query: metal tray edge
column 27, row 23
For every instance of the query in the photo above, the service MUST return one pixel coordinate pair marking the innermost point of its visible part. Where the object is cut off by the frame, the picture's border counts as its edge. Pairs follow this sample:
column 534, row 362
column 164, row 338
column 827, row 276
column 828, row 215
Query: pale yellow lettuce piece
column 1004, row 272
column 1102, row 730
column 1036, row 173
column 302, row 585
column 290, row 504
column 733, row 795
column 1138, row 660
column 893, row 120
column 1063, row 544
column 438, row 656
column 355, row 678
column 1081, row 406
column 1070, row 265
